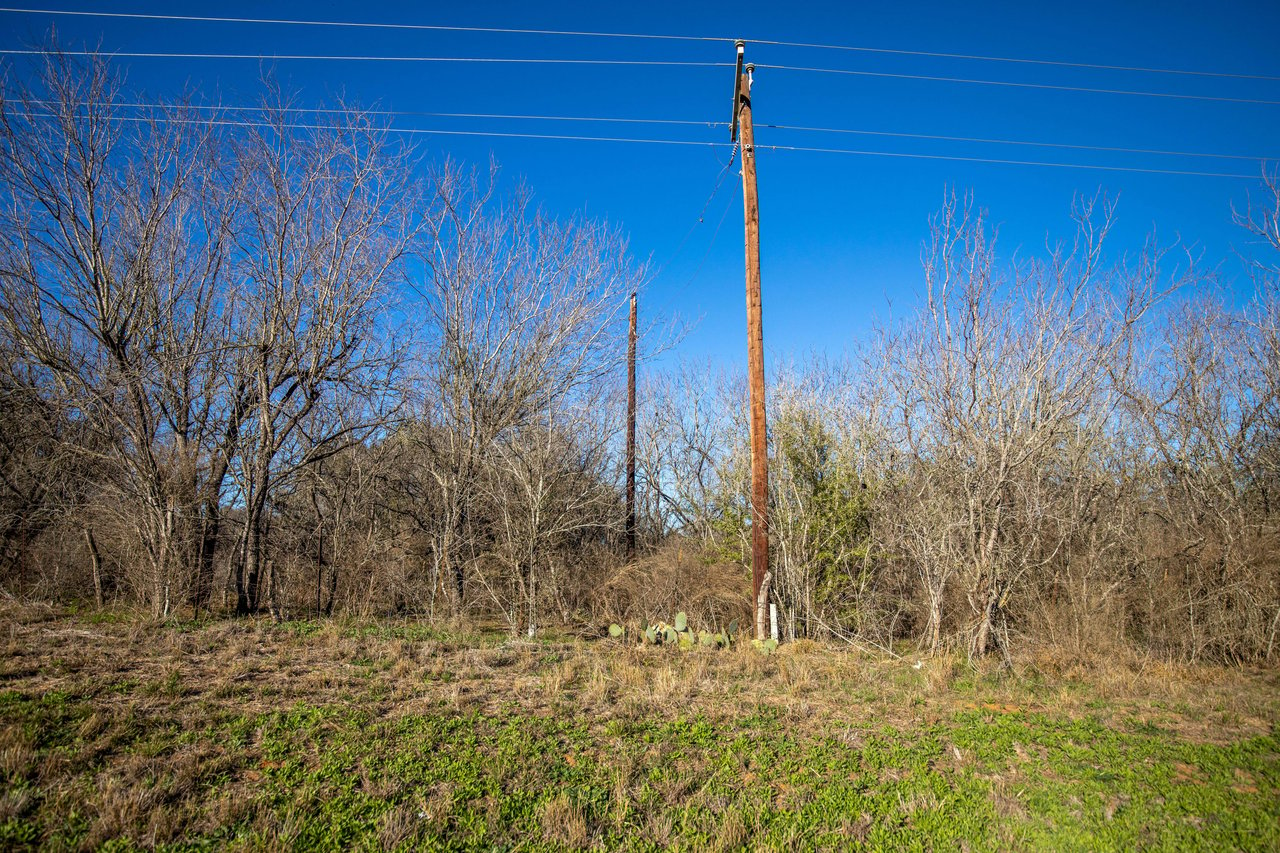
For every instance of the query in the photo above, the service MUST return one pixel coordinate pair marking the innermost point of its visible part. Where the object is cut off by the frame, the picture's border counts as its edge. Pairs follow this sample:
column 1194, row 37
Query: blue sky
column 841, row 233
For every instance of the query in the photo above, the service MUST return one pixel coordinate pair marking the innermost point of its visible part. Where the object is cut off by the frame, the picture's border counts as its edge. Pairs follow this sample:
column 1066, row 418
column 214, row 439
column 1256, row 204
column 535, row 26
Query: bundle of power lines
column 243, row 115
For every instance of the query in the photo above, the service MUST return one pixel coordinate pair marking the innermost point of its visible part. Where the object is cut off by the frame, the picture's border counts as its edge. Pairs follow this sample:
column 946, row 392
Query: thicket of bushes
column 262, row 367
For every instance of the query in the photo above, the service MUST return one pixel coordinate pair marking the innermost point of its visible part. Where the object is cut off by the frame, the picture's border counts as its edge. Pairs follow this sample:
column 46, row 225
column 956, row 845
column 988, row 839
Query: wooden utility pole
column 741, row 128
column 631, row 433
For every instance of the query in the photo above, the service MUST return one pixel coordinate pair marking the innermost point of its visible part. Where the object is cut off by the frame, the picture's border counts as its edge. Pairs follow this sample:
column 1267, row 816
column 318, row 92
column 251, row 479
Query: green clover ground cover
column 383, row 755
column 338, row 778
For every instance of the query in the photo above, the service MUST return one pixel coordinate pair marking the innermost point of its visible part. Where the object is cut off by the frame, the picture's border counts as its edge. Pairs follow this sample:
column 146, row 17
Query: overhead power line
column 377, row 58
column 702, row 213
column 503, row 60
column 685, row 142
column 236, row 108
column 1057, row 63
column 372, row 25
column 985, row 82
column 992, row 141
column 650, row 36
column 222, row 122
column 1003, row 162
column 229, row 108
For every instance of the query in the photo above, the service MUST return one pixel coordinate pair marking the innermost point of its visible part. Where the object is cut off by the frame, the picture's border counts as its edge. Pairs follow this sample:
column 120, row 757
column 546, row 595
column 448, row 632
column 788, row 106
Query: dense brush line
column 262, row 368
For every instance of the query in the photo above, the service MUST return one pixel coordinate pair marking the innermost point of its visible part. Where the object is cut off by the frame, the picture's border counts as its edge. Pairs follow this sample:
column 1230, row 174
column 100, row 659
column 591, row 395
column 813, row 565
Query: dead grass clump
column 658, row 829
column 598, row 687
column 732, row 833
column 120, row 806
column 1005, row 798
column 14, row 803
column 402, row 668
column 402, row 650
column 939, row 673
column 565, row 822
column 797, row 675
column 280, row 832
column 17, row 753
column 497, row 657
column 397, row 826
column 665, row 686
column 630, row 672
column 229, row 807
column 462, row 697
column 754, row 665
column 375, row 785
column 95, row 724
column 562, row 677
column 54, row 765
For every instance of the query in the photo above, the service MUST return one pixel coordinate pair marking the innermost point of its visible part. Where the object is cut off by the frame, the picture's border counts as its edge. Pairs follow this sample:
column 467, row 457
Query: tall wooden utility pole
column 631, row 433
column 741, row 129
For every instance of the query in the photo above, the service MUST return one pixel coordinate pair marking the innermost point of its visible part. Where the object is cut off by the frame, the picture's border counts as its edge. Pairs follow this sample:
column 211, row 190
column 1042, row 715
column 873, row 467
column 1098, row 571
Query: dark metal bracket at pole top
column 737, row 91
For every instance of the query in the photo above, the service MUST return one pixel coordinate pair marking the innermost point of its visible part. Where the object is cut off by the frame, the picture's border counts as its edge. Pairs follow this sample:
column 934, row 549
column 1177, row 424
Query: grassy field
column 119, row 733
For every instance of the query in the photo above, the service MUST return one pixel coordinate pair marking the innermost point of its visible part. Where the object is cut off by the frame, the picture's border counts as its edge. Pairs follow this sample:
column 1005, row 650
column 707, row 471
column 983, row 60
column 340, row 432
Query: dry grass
column 141, row 675
column 258, row 666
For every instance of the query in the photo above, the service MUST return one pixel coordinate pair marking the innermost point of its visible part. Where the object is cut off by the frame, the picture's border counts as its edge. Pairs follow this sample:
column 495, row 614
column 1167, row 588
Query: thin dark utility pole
column 631, row 433
column 741, row 129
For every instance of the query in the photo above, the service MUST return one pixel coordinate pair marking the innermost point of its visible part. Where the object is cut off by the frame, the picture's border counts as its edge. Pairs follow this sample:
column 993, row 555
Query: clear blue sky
column 841, row 233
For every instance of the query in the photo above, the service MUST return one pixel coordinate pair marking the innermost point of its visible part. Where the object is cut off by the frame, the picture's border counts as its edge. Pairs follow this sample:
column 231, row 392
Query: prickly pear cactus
column 681, row 634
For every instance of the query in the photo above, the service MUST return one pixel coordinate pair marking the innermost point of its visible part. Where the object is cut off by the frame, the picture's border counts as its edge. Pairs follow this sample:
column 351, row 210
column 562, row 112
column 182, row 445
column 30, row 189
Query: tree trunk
column 456, row 564
column 95, row 561
column 933, row 630
column 273, row 604
column 248, row 576
column 984, row 636
column 333, row 590
column 532, row 604
column 253, row 566
column 206, row 550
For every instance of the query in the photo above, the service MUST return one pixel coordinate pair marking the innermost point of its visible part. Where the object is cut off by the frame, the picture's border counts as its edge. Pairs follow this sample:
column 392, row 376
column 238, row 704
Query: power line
column 376, row 58
column 650, row 36
column 984, row 82
column 715, row 189
column 681, row 288
column 991, row 141
column 359, row 24
column 405, row 130
column 675, row 122
column 669, row 63
column 235, row 108
column 998, row 161
column 1018, row 60
column 569, row 137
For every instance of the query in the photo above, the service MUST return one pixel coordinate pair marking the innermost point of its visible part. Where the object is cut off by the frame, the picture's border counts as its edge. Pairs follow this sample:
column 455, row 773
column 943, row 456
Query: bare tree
column 1002, row 388
column 112, row 254
column 326, row 218
column 525, row 315
column 552, row 491
column 1209, row 406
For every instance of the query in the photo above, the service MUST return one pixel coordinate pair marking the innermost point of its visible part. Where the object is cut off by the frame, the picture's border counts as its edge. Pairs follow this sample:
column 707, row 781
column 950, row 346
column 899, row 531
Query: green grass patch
column 414, row 738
